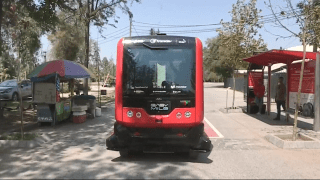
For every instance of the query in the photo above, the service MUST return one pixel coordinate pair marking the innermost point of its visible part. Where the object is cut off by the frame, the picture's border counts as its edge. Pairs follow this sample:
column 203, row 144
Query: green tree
column 214, row 67
column 21, row 24
column 42, row 12
column 307, row 17
column 99, row 13
column 21, row 38
column 108, row 67
column 237, row 38
column 95, row 61
column 66, row 39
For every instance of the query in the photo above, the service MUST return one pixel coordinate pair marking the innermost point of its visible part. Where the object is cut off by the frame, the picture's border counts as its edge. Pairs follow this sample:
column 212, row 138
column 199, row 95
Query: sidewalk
column 264, row 124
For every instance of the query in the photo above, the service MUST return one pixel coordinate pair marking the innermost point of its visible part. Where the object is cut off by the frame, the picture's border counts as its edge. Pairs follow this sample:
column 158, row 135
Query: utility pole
column 315, row 43
column 130, row 18
column 316, row 120
column 97, row 60
column 45, row 56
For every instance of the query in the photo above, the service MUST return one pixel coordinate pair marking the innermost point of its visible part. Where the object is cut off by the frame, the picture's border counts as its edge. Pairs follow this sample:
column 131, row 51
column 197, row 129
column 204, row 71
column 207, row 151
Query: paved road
column 78, row 151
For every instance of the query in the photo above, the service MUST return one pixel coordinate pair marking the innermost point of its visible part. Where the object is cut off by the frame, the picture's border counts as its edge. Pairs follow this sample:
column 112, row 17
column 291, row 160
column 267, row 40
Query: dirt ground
column 12, row 119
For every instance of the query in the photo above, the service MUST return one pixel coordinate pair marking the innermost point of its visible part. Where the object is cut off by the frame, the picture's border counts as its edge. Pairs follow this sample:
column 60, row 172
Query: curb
column 311, row 144
column 37, row 142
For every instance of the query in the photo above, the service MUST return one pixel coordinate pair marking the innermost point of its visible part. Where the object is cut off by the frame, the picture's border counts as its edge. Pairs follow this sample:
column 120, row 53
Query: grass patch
column 17, row 136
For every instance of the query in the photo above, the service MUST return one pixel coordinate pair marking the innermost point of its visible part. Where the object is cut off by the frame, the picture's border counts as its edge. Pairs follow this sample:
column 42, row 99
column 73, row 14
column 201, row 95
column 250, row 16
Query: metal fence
column 240, row 83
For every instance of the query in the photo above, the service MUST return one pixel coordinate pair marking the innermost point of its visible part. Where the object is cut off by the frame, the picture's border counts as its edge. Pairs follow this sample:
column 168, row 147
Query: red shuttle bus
column 159, row 96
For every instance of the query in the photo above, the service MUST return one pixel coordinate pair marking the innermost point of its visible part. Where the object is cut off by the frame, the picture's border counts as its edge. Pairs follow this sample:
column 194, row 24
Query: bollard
column 227, row 99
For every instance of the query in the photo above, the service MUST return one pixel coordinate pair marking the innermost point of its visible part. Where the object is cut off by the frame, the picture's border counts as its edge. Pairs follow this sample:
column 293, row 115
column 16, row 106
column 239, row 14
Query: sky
column 167, row 13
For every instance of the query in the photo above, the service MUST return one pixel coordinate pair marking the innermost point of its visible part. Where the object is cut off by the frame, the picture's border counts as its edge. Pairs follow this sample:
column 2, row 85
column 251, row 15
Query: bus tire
column 124, row 152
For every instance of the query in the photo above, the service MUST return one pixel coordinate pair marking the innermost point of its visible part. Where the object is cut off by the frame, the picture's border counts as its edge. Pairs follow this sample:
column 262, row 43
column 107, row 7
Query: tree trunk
column 87, row 36
column 299, row 90
column 234, row 89
column 1, row 16
column 19, row 88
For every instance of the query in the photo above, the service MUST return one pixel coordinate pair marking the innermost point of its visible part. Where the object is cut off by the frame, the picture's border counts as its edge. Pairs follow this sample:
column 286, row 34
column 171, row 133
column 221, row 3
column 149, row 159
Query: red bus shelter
column 279, row 56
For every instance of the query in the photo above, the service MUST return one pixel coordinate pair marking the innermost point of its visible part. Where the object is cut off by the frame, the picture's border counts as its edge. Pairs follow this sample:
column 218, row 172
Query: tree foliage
column 214, row 70
column 22, row 22
column 236, row 40
column 239, row 38
column 68, row 38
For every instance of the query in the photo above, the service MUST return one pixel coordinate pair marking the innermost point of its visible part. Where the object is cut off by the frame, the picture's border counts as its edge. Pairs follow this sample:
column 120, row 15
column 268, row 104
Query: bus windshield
column 167, row 72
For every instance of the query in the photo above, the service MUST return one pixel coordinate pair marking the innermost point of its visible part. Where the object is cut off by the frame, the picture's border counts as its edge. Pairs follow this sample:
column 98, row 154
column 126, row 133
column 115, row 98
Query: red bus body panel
column 199, row 82
column 150, row 121
column 167, row 121
column 118, row 90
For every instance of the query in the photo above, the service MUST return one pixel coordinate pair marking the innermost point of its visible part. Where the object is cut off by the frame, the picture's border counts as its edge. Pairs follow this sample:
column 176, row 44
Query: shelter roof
column 279, row 56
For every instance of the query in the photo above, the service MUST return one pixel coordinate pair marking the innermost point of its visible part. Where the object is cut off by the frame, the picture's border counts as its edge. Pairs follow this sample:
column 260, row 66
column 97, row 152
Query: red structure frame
column 279, row 56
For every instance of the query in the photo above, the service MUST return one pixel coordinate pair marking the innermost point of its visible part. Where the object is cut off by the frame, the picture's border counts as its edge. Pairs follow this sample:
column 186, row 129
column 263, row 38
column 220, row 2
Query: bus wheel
column 124, row 152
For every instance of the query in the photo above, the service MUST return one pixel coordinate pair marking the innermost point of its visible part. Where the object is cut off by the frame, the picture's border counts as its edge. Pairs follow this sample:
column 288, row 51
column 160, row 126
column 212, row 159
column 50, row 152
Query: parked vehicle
column 9, row 89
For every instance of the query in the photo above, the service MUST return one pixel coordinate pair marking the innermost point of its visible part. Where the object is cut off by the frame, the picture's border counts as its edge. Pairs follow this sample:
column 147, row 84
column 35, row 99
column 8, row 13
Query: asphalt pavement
column 241, row 152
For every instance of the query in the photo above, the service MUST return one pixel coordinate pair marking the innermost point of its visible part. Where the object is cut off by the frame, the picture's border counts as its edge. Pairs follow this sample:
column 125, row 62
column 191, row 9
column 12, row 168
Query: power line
column 121, row 32
column 114, row 38
column 115, row 35
column 115, row 32
column 178, row 25
column 212, row 29
column 204, row 30
column 183, row 26
column 264, row 18
column 135, row 30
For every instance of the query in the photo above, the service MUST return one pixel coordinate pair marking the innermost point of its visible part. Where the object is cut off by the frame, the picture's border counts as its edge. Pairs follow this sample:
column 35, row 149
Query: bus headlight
column 178, row 115
column 138, row 114
column 187, row 114
column 130, row 114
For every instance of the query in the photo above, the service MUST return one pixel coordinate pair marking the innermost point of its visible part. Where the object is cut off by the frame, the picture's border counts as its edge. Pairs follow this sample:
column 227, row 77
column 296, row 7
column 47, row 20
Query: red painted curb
column 209, row 131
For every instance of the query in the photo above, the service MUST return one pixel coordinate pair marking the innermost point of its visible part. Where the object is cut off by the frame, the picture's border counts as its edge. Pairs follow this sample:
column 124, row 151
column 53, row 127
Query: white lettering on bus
column 132, row 41
column 159, row 41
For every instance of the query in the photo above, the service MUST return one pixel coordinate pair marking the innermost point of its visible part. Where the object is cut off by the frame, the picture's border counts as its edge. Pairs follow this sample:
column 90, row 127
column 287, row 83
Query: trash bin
column 98, row 112
column 79, row 117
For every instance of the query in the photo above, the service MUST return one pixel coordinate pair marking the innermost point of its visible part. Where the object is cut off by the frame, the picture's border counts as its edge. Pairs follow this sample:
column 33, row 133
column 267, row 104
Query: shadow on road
column 264, row 118
column 79, row 151
column 164, row 157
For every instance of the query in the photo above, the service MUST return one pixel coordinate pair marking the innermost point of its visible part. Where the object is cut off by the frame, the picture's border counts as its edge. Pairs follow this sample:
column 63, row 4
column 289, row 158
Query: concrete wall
column 240, row 83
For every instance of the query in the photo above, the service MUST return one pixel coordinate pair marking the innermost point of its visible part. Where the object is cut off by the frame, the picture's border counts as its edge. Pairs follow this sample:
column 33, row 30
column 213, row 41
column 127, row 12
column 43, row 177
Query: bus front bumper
column 160, row 139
